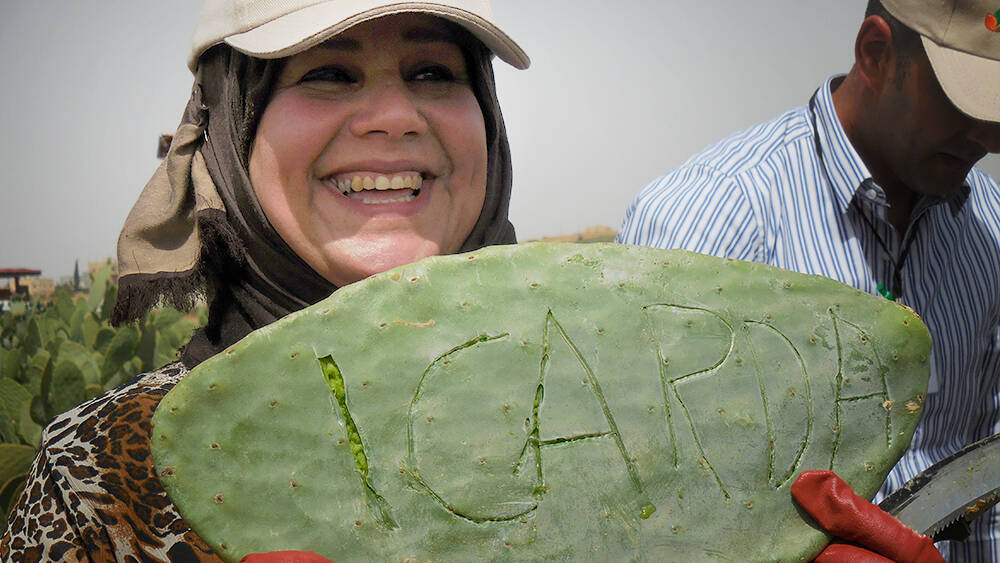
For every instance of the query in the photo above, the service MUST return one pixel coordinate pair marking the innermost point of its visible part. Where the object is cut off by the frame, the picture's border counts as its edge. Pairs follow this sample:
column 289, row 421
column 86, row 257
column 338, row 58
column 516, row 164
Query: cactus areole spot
column 545, row 401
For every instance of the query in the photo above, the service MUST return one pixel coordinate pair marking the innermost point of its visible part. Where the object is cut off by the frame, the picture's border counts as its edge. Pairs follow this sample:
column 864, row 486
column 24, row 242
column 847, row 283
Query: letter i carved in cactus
column 378, row 505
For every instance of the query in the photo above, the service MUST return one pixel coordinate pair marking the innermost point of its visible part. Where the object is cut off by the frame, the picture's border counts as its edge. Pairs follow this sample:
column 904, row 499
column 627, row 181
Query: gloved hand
column 285, row 557
column 836, row 508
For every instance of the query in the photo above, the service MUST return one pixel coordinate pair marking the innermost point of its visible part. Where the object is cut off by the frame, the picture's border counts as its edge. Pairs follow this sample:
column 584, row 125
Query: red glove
column 285, row 557
column 849, row 517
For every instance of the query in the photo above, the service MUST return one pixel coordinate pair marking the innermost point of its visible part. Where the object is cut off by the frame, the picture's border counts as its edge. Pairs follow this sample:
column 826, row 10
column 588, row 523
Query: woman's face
column 371, row 152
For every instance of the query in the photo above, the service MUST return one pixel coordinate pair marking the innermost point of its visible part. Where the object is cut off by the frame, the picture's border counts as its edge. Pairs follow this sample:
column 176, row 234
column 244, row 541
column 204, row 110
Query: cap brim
column 297, row 31
column 972, row 83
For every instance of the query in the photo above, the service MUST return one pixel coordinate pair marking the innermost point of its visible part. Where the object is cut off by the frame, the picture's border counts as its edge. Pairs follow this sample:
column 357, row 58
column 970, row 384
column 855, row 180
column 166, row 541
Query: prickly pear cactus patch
column 545, row 401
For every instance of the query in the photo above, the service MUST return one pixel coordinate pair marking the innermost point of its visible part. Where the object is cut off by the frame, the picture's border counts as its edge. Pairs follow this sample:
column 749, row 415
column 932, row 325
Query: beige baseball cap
column 962, row 40
column 271, row 29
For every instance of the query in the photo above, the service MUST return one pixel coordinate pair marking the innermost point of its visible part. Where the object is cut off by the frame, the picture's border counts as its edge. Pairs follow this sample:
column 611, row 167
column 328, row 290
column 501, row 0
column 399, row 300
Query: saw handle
column 875, row 535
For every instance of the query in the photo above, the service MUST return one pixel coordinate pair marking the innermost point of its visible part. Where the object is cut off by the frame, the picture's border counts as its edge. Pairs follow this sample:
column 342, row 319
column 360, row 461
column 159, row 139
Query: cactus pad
column 545, row 401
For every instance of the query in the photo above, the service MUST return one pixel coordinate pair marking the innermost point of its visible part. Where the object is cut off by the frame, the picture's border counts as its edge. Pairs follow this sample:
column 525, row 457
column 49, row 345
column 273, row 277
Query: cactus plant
column 54, row 357
column 545, row 401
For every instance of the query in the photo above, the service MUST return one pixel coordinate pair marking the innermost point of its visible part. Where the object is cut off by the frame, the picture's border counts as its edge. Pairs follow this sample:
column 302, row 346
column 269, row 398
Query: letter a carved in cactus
column 545, row 401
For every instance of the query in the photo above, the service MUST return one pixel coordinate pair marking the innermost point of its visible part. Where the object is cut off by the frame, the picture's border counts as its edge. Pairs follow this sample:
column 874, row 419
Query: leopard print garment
column 93, row 495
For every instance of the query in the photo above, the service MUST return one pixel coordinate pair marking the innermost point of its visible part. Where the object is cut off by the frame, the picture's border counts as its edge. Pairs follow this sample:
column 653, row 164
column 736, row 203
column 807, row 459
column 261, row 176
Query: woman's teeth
column 396, row 182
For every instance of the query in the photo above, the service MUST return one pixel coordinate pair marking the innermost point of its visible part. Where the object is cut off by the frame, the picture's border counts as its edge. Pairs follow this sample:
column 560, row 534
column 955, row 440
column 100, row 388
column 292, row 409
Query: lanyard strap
column 895, row 290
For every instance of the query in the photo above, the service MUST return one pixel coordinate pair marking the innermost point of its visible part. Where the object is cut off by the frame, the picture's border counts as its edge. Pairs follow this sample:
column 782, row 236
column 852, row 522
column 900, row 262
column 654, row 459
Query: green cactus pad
column 545, row 401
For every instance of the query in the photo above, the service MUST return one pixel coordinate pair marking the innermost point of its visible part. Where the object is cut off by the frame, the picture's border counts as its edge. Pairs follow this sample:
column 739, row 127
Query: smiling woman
column 371, row 152
column 323, row 142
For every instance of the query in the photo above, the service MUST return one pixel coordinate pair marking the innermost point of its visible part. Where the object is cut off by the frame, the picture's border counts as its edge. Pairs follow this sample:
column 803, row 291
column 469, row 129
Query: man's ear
column 874, row 53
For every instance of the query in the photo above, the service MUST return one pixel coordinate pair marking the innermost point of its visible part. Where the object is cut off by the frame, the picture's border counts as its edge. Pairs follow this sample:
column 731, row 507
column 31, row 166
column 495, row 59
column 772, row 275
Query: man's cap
column 271, row 29
column 962, row 41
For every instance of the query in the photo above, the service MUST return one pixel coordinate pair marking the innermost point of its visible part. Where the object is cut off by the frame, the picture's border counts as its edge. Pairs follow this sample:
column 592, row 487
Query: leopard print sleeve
column 54, row 538
column 93, row 494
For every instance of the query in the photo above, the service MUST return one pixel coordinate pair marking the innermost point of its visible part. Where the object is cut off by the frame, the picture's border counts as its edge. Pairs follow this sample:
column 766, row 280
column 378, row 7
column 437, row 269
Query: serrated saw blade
column 955, row 490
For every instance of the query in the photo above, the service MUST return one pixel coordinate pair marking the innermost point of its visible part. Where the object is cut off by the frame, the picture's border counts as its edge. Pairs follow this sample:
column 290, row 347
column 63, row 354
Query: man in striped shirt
column 872, row 183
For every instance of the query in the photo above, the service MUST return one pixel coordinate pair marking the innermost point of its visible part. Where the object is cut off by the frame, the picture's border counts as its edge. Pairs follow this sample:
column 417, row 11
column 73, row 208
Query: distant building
column 13, row 282
column 40, row 289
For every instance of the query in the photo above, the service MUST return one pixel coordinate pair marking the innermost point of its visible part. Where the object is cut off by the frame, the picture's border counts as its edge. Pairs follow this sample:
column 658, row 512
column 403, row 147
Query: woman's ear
column 874, row 53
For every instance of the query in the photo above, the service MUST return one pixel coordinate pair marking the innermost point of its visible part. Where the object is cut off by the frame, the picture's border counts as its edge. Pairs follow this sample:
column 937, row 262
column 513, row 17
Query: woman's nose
column 987, row 135
column 388, row 109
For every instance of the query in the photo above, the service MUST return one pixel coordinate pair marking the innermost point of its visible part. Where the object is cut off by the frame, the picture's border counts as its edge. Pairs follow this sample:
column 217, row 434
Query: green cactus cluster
column 545, row 402
column 54, row 356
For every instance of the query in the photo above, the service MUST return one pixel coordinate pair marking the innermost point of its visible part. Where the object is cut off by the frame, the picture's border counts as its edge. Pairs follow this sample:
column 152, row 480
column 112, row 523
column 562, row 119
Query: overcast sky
column 617, row 94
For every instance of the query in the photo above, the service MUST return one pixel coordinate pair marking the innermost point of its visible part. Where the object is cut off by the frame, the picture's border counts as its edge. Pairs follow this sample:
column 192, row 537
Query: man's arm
column 695, row 208
column 988, row 422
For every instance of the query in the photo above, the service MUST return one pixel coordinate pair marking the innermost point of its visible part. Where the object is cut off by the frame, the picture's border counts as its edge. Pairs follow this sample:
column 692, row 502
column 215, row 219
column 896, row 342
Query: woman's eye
column 328, row 74
column 432, row 73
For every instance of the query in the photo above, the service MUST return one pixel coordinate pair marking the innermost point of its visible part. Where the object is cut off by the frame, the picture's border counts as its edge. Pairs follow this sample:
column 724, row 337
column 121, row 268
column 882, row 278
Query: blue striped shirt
column 795, row 194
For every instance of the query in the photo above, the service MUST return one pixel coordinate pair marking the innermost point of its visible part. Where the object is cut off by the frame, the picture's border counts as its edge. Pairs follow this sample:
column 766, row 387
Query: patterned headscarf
column 197, row 229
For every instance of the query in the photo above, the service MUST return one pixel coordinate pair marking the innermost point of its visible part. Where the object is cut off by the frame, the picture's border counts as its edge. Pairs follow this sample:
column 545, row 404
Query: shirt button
column 871, row 194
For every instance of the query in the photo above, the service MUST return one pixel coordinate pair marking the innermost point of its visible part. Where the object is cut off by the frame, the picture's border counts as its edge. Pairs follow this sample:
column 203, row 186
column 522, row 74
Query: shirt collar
column 846, row 171
column 848, row 174
column 955, row 200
